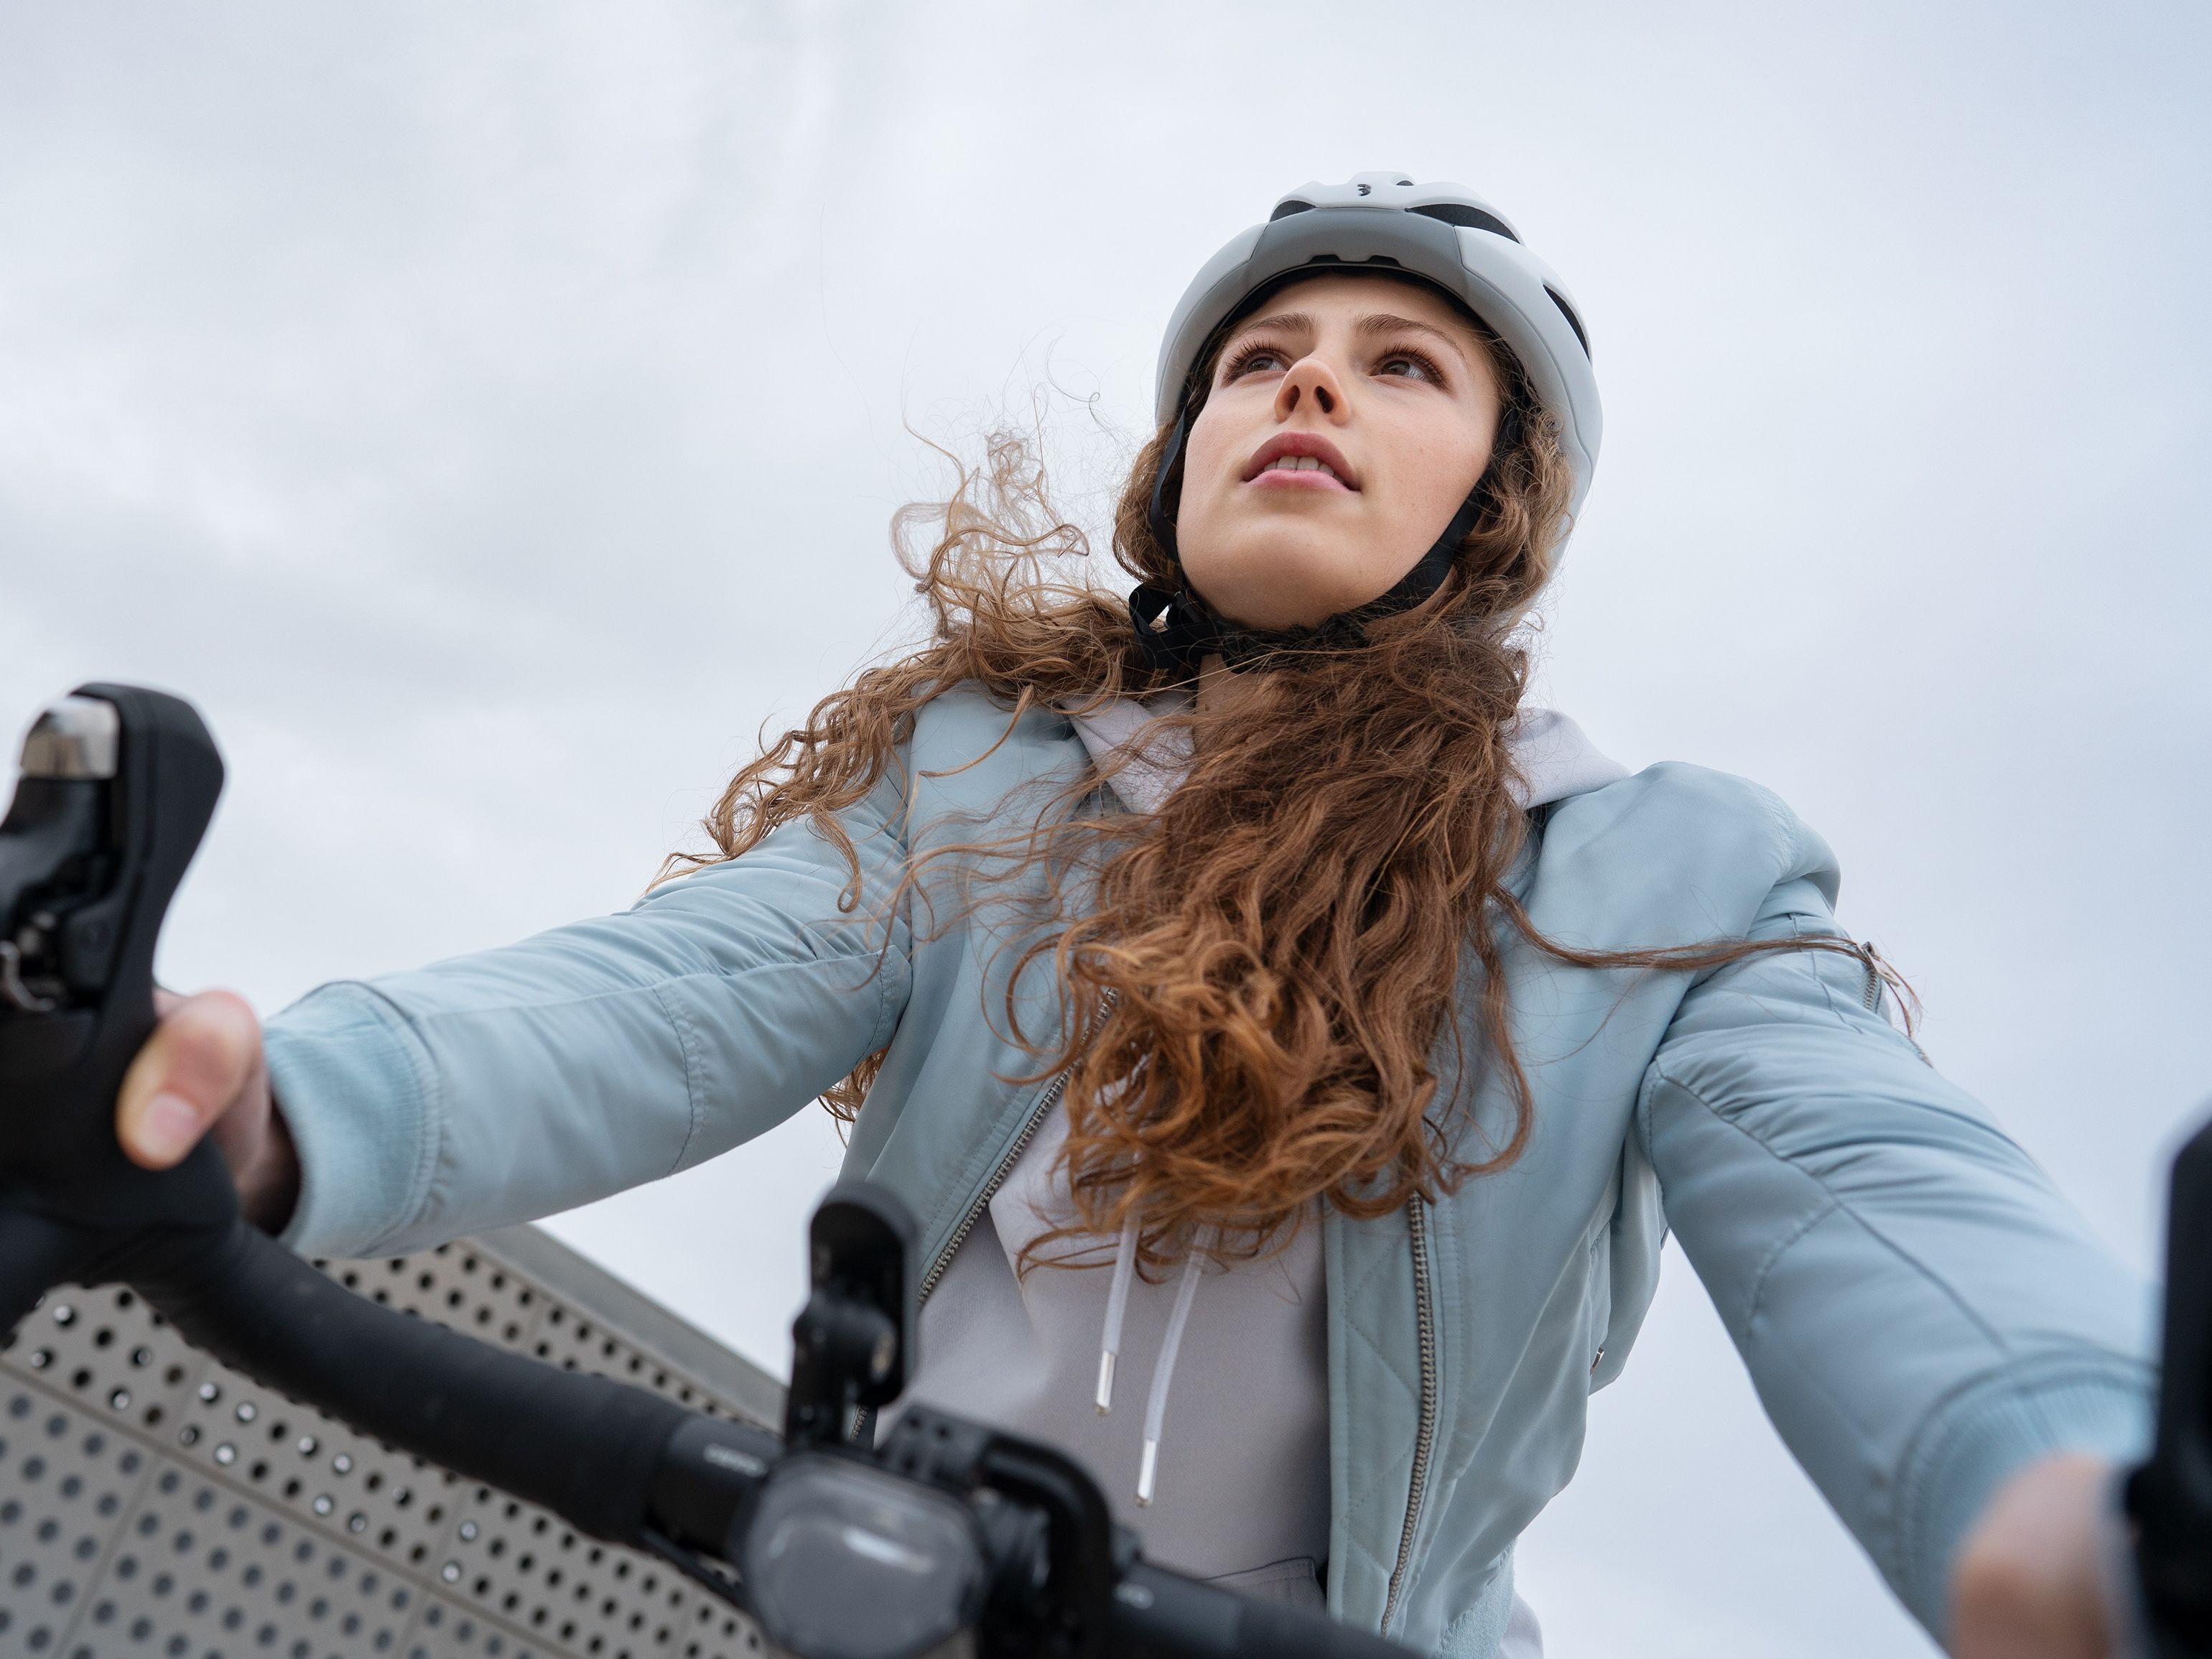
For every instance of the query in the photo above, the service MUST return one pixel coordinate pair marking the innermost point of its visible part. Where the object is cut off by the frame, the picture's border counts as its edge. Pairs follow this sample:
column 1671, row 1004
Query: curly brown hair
column 1254, row 992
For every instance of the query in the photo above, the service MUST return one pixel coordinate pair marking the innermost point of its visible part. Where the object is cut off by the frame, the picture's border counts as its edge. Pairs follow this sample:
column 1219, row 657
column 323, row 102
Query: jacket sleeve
column 1922, row 1313
column 517, row 1082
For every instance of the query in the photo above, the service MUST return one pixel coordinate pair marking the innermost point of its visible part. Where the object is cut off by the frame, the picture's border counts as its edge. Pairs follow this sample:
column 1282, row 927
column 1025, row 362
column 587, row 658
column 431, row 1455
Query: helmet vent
column 1284, row 210
column 1573, row 321
column 1466, row 217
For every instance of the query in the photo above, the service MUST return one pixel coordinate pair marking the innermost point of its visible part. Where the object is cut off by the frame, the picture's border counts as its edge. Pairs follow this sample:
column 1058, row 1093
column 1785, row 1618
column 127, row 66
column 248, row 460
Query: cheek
column 1206, row 515
column 1206, row 456
column 1431, row 473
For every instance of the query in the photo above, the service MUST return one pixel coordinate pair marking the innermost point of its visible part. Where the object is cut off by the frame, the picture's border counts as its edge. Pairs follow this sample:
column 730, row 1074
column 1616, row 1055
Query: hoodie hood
column 1551, row 754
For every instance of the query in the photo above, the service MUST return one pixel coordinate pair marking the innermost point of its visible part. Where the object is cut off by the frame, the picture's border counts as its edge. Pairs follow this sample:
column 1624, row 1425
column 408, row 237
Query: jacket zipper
column 1424, row 1437
column 1046, row 1101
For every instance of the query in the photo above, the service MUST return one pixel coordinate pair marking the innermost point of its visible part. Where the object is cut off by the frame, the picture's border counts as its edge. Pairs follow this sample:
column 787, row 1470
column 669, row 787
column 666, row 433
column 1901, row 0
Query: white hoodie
column 1241, row 1489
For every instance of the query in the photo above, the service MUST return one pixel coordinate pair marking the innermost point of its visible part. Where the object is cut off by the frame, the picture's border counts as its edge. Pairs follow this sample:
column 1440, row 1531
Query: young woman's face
column 1348, row 418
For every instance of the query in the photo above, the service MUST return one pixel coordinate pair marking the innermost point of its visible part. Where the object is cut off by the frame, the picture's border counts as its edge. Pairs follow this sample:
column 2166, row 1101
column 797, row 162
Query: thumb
column 191, row 1070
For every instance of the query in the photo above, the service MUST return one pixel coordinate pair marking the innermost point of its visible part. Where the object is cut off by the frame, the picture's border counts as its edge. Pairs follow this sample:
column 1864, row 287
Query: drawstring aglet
column 1117, row 1307
column 1156, row 1409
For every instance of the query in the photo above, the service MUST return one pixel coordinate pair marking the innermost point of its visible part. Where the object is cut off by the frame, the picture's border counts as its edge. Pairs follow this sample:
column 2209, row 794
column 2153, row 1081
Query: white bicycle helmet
column 1442, row 233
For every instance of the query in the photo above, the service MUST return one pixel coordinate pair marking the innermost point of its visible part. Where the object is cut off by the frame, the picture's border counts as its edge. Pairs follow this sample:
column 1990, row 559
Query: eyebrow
column 1373, row 323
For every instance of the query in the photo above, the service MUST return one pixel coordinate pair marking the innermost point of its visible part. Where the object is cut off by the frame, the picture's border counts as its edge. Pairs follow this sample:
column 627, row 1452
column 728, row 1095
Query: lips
column 1303, row 459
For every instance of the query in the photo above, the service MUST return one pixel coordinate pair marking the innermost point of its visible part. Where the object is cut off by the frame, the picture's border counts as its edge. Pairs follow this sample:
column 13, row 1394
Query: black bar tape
column 1159, row 1614
column 1272, row 1627
column 36, row 1255
column 584, row 1447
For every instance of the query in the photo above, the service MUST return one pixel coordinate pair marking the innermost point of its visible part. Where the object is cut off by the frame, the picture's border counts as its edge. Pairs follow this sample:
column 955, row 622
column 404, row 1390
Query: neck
column 1221, row 691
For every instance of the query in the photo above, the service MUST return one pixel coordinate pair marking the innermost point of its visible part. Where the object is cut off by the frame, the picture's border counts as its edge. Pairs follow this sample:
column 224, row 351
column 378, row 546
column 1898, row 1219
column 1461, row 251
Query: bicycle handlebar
column 117, row 789
column 1159, row 1614
column 117, row 786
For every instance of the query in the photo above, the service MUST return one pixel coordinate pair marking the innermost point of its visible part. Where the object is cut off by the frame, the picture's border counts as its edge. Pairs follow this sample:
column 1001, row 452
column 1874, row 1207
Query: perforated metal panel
column 154, row 1504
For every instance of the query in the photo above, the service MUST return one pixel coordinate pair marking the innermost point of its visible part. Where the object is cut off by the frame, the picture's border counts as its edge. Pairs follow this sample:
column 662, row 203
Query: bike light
column 844, row 1562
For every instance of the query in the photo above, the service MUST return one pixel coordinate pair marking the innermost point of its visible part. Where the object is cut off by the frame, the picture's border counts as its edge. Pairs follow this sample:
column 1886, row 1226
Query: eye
column 1257, row 357
column 1404, row 363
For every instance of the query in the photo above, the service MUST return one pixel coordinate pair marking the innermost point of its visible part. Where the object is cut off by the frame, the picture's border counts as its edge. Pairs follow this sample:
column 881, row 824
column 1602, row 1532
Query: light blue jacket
column 1922, row 1312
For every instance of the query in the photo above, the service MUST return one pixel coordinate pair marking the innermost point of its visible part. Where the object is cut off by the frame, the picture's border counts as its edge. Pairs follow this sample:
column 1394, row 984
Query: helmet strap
column 1177, row 630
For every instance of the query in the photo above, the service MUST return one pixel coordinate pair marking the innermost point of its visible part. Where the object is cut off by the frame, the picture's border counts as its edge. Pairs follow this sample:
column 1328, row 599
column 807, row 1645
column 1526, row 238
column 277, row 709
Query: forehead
column 1346, row 296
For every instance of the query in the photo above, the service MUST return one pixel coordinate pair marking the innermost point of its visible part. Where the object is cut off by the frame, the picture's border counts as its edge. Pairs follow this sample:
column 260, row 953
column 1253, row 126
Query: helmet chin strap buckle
column 1177, row 630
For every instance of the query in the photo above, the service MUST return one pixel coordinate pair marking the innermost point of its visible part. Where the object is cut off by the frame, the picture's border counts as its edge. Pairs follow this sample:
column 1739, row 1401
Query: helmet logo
column 1365, row 190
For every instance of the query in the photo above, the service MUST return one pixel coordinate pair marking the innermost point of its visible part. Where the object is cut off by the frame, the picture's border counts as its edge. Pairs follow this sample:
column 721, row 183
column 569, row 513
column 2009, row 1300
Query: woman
column 1263, row 1009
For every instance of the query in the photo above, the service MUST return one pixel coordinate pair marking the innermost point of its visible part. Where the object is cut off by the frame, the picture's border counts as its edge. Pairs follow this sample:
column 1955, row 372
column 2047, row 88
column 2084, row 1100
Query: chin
column 1271, row 581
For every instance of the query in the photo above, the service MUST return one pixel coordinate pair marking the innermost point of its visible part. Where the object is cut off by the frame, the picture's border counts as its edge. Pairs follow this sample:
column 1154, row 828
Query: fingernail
column 167, row 1127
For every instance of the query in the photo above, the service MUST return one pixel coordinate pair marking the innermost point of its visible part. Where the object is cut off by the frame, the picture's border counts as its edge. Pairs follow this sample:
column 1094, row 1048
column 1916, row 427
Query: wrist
column 2034, row 1578
column 2124, row 1608
column 269, row 1190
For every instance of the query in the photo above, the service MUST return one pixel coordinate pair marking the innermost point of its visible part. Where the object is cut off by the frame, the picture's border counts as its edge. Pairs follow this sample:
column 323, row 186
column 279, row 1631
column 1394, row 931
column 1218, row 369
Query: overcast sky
column 492, row 414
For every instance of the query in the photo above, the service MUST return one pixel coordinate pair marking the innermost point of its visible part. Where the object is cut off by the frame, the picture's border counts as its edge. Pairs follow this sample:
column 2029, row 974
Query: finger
column 242, row 1131
column 198, row 1059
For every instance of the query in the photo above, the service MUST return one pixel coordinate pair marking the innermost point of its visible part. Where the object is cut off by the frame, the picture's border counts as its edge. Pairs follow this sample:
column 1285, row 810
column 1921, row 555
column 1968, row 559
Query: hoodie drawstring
column 1117, row 1303
column 1117, row 1306
column 1155, row 1410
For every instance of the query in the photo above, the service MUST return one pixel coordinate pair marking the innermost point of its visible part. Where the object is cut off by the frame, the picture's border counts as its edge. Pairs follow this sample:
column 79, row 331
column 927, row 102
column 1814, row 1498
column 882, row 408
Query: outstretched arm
column 1926, row 1319
column 516, row 1081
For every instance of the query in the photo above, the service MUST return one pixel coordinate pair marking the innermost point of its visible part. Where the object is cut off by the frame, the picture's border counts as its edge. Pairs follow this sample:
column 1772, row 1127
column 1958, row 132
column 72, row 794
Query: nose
column 1311, row 379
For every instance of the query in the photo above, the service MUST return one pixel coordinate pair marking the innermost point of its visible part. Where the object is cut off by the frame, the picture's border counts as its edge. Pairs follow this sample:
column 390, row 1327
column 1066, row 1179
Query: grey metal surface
column 155, row 1502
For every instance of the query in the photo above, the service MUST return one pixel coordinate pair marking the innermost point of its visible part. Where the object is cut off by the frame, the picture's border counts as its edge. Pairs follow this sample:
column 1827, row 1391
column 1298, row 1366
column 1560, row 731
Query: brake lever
column 117, row 788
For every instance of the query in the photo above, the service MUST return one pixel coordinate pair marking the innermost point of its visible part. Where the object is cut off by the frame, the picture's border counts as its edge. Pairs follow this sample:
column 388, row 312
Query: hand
column 203, row 1071
column 2029, row 1582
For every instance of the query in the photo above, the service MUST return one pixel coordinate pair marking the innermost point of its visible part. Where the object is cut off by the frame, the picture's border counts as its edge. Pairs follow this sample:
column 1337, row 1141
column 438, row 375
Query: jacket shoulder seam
column 1782, row 1246
column 1843, row 1207
column 684, row 1036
